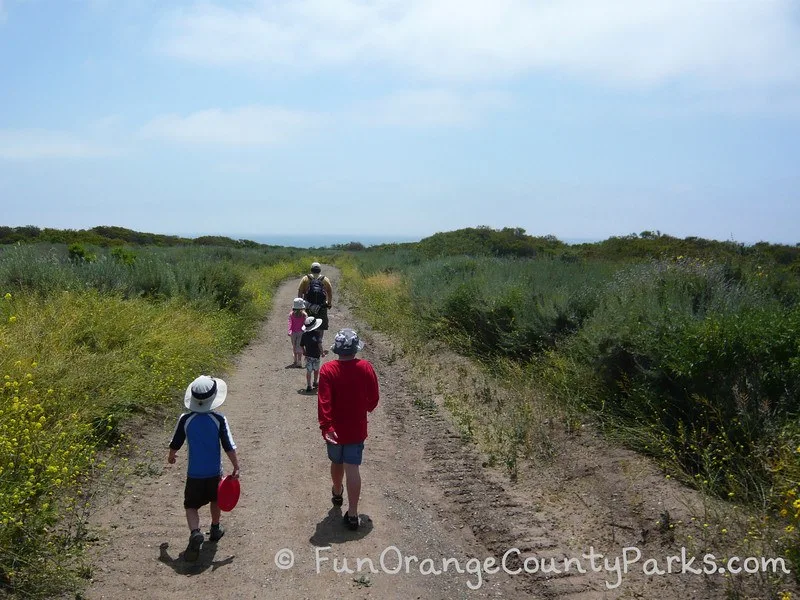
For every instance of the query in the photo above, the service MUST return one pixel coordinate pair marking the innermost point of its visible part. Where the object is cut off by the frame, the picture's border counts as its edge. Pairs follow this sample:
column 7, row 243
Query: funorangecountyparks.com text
column 392, row 561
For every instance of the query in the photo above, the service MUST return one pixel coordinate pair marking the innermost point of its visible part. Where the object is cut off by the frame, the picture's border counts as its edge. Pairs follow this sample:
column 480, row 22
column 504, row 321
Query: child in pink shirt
column 297, row 319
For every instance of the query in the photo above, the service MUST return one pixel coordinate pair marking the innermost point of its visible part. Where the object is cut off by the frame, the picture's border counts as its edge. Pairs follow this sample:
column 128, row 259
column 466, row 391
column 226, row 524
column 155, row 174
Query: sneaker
column 337, row 499
column 350, row 522
column 308, row 389
column 314, row 385
column 196, row 540
column 217, row 531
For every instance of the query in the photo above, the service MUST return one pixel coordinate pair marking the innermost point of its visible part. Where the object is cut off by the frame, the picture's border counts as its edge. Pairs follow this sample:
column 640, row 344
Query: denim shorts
column 347, row 453
column 312, row 364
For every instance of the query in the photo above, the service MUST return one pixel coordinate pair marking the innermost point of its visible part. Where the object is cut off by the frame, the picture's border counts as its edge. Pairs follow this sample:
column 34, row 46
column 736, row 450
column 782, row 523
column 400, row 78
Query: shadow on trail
column 183, row 567
column 331, row 530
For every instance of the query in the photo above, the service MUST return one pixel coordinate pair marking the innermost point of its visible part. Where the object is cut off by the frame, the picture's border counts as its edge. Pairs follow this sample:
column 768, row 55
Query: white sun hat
column 312, row 324
column 298, row 304
column 205, row 394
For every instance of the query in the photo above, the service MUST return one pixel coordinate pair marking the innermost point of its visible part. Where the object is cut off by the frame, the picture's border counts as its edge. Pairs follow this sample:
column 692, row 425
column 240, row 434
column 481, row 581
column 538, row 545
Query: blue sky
column 577, row 118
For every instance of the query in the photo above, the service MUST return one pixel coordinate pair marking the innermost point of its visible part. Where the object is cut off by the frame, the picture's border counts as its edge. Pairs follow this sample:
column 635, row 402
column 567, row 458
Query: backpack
column 315, row 294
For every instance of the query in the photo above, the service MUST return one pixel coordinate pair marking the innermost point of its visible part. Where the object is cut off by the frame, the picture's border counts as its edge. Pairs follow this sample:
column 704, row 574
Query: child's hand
column 330, row 436
column 171, row 459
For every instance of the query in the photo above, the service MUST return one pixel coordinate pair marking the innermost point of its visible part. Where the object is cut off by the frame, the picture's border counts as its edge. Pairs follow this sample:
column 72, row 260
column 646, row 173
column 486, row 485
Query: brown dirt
column 426, row 492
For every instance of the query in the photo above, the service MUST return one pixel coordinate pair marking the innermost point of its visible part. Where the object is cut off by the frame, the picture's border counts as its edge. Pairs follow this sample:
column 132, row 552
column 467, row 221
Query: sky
column 581, row 119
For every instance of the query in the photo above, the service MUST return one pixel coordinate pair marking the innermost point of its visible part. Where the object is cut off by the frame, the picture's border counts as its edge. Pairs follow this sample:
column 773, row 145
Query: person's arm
column 373, row 390
column 178, row 437
column 234, row 461
column 325, row 409
column 290, row 324
column 301, row 290
column 226, row 439
column 328, row 291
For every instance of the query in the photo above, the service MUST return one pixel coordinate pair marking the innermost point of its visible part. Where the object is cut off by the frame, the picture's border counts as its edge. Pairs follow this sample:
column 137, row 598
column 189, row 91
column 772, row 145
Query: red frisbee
column 228, row 493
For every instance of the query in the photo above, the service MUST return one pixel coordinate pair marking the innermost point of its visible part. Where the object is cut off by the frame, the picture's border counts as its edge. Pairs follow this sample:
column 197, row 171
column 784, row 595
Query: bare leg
column 192, row 519
column 337, row 475
column 215, row 513
column 353, row 488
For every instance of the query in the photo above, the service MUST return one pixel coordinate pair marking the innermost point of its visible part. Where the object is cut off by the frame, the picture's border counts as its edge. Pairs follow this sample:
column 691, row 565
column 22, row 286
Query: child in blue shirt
column 205, row 431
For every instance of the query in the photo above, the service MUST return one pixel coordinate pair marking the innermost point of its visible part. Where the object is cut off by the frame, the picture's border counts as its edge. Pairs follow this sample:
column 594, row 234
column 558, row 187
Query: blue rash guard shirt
column 205, row 432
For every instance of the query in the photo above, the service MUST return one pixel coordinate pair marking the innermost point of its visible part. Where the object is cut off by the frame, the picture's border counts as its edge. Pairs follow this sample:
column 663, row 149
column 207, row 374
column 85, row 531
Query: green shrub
column 78, row 253
column 226, row 286
column 123, row 255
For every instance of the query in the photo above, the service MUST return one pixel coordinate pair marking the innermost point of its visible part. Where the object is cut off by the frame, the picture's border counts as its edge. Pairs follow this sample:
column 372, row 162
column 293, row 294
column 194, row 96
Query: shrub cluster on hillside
column 112, row 236
column 688, row 350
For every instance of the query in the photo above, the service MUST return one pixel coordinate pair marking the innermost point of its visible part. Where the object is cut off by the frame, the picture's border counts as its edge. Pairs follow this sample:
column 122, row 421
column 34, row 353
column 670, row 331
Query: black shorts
column 323, row 314
column 200, row 491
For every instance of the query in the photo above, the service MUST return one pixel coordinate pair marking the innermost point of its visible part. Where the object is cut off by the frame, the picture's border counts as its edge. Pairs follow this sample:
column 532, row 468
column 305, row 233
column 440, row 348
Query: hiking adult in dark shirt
column 317, row 291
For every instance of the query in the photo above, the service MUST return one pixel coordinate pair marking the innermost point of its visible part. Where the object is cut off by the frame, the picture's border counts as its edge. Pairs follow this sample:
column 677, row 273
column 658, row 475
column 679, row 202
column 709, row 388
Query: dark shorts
column 200, row 491
column 323, row 314
column 347, row 453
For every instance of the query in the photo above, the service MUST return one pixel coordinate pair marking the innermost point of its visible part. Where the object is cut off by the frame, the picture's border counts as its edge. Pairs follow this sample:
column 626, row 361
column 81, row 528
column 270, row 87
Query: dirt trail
column 425, row 493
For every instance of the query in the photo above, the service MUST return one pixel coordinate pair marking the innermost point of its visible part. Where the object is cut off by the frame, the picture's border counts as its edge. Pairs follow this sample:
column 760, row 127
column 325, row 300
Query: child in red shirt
column 348, row 390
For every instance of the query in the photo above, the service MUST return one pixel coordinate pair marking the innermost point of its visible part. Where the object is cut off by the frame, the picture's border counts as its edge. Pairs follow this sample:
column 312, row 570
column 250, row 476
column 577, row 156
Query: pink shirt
column 296, row 322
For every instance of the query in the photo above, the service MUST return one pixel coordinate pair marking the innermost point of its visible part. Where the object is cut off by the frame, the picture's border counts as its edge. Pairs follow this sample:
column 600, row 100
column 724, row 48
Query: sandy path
column 286, row 500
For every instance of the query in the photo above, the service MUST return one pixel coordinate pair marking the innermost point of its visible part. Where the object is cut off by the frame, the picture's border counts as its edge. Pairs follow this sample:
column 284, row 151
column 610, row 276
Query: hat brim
column 348, row 351
column 316, row 325
column 209, row 404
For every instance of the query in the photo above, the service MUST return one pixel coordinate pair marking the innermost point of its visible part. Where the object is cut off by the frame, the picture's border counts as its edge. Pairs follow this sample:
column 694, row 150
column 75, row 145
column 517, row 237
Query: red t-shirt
column 348, row 390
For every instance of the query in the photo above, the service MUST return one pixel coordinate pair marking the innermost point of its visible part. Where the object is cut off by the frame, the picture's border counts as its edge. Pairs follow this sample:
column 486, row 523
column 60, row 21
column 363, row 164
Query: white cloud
column 246, row 126
column 29, row 144
column 628, row 42
column 430, row 108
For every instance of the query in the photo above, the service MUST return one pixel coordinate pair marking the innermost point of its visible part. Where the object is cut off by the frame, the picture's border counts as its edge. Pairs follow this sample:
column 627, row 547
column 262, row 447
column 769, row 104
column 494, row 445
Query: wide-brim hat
column 312, row 324
column 346, row 343
column 298, row 304
column 205, row 394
